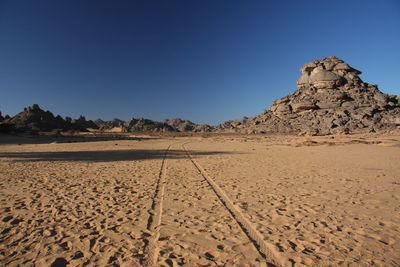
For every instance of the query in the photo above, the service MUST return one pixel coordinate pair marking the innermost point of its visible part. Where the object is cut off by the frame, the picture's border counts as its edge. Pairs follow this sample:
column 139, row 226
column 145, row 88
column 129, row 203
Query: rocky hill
column 330, row 98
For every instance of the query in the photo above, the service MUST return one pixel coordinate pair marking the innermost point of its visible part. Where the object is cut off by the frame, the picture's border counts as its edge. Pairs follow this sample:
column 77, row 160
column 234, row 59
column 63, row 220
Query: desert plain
column 218, row 200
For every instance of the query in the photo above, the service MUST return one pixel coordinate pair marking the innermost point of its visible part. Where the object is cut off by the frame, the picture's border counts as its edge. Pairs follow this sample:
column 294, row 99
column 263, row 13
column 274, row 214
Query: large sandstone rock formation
column 330, row 98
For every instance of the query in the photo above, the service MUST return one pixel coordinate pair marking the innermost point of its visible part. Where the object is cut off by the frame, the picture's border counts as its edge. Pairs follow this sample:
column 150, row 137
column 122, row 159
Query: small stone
column 46, row 233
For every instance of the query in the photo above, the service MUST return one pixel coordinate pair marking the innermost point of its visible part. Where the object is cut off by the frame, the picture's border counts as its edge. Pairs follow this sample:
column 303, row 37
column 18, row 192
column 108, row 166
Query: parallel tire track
column 154, row 222
column 266, row 250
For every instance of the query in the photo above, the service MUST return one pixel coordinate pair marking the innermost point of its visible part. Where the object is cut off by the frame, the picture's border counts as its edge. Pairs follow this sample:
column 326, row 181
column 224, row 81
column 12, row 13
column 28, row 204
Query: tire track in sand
column 266, row 250
column 153, row 224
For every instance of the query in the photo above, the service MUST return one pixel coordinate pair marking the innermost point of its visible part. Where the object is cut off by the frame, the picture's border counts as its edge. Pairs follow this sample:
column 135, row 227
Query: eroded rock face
column 330, row 98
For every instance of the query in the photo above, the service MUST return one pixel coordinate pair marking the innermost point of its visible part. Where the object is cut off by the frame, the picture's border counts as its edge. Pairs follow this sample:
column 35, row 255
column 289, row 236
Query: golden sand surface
column 195, row 201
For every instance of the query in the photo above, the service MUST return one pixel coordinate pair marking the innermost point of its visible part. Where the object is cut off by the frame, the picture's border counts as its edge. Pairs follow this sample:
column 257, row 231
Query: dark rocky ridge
column 330, row 98
column 147, row 125
column 34, row 119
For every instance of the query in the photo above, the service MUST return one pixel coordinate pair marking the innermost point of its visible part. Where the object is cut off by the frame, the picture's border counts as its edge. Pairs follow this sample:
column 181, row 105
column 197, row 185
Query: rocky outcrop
column 146, row 125
column 330, row 98
column 187, row 126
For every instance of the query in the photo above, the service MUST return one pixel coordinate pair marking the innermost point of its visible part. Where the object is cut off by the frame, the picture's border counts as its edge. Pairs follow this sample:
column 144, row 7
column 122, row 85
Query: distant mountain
column 147, row 125
column 187, row 126
column 34, row 119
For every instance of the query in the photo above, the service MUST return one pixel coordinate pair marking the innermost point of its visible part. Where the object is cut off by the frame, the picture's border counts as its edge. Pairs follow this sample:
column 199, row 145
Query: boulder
column 282, row 108
column 303, row 106
column 320, row 79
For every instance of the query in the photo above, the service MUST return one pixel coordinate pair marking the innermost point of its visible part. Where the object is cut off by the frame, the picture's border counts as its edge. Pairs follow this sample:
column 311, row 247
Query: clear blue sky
column 206, row 60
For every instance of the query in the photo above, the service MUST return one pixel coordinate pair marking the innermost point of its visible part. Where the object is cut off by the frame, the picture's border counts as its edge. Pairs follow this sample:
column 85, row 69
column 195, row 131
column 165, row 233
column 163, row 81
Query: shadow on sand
column 102, row 156
column 6, row 139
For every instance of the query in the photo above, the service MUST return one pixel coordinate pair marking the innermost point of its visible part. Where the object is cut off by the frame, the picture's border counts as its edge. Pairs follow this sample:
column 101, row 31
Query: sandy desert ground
column 216, row 201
